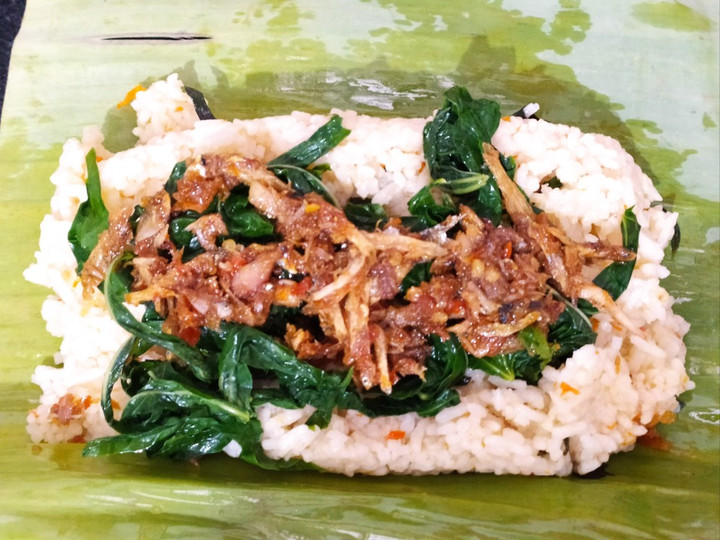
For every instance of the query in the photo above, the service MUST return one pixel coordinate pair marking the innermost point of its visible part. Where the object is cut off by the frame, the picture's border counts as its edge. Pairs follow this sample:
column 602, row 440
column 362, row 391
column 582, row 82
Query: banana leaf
column 643, row 72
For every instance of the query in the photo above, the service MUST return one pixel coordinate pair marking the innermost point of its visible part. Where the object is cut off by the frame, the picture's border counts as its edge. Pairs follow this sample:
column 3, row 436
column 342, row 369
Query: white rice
column 598, row 403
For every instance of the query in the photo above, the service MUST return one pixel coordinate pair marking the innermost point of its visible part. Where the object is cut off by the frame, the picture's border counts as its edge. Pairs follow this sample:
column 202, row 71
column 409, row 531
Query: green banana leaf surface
column 644, row 72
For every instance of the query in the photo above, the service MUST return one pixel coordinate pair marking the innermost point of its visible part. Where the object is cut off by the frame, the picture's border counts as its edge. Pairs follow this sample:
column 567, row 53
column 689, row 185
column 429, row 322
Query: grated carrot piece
column 506, row 118
column 130, row 96
column 396, row 435
column 565, row 387
column 87, row 401
column 508, row 250
column 179, row 108
column 312, row 207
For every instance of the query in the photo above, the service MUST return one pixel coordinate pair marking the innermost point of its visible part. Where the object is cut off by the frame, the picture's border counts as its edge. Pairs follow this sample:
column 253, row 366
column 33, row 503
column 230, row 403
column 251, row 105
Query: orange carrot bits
column 565, row 388
column 396, row 435
column 130, row 96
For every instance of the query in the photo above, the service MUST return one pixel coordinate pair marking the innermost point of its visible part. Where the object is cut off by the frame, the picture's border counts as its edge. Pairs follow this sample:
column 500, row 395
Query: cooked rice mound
column 597, row 403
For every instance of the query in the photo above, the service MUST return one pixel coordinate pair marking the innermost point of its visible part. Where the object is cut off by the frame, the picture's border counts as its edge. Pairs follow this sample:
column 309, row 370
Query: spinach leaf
column 177, row 173
column 426, row 212
column 117, row 285
column 172, row 414
column 535, row 343
column 243, row 220
column 510, row 366
column 366, row 215
column 445, row 368
column 486, row 202
column 554, row 183
column 501, row 365
column 161, row 399
column 138, row 211
column 180, row 438
column 184, row 239
column 463, row 185
column 452, row 141
column 303, row 181
column 91, row 218
column 292, row 165
column 305, row 384
column 200, row 103
column 452, row 144
column 417, row 274
column 112, row 375
column 235, row 379
column 526, row 364
column 317, row 145
column 135, row 375
column 615, row 277
column 570, row 331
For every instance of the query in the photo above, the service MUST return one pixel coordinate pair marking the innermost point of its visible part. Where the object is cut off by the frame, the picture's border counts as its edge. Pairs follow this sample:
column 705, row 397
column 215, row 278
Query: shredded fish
column 486, row 283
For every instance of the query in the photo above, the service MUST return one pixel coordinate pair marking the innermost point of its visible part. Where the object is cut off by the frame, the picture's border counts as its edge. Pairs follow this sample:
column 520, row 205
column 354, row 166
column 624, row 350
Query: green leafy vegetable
column 200, row 103
column 91, row 218
column 292, row 165
column 167, row 414
column 184, row 239
column 426, row 211
column 452, row 144
column 570, row 331
column 510, row 366
column 464, row 185
column 305, row 384
column 417, row 274
column 171, row 413
column 117, row 285
column 453, row 140
column 615, row 277
column 242, row 220
column 366, row 215
column 555, row 183
column 445, row 368
column 501, row 365
column 317, row 145
column 177, row 173
column 487, row 202
column 526, row 364
column 535, row 343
